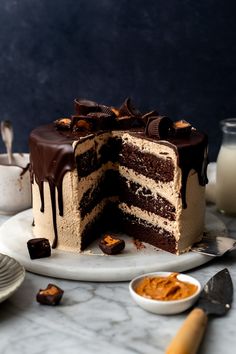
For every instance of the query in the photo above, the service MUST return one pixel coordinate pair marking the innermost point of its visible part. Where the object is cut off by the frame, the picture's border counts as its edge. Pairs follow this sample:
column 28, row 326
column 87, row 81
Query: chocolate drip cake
column 106, row 168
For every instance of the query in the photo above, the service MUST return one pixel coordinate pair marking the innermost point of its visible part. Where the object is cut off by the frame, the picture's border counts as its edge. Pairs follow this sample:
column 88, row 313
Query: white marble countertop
column 102, row 317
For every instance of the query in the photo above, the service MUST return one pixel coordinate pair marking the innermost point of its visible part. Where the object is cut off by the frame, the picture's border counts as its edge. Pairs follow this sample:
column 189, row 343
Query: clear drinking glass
column 226, row 169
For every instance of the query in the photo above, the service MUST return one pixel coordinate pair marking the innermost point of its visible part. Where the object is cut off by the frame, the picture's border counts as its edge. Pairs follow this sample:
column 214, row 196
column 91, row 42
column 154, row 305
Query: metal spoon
column 7, row 137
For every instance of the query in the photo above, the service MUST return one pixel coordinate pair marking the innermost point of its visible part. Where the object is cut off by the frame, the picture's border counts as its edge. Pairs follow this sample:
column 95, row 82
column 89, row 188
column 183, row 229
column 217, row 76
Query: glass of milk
column 226, row 169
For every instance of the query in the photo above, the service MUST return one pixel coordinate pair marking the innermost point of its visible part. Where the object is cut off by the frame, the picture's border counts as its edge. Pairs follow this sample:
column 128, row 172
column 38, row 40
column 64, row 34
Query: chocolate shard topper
column 147, row 115
column 128, row 116
column 128, row 109
column 91, row 116
column 159, row 127
column 83, row 106
column 106, row 109
column 129, row 122
column 92, row 122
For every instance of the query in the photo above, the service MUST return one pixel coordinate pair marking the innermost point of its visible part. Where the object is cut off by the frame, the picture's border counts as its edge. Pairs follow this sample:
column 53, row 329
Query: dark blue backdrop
column 178, row 56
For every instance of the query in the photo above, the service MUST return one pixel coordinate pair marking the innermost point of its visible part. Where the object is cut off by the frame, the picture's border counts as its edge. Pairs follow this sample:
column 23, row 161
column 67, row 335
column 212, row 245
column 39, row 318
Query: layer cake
column 106, row 168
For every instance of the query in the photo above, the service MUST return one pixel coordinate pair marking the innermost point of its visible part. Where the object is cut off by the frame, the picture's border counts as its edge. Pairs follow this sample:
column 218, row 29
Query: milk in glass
column 226, row 169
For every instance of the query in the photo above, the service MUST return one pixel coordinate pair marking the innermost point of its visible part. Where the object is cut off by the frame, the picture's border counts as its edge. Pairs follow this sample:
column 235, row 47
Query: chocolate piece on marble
column 50, row 296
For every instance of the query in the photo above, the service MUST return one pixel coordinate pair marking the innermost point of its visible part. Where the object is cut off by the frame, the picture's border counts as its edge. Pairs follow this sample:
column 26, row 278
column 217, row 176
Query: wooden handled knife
column 215, row 299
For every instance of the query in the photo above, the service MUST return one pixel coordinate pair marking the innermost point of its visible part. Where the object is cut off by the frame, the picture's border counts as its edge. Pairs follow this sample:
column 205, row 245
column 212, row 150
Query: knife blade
column 215, row 299
column 216, row 246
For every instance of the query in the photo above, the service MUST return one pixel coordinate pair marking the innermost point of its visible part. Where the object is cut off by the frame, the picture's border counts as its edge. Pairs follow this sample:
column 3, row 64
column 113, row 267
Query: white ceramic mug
column 15, row 187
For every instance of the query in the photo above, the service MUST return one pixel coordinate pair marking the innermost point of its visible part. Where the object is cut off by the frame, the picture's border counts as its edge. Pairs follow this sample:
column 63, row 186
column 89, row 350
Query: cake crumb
column 138, row 244
column 87, row 252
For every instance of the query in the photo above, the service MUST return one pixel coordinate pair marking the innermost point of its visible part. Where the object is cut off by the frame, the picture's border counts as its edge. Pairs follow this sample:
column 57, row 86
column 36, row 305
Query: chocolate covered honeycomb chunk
column 82, row 125
column 111, row 245
column 39, row 248
column 63, row 123
column 50, row 296
column 181, row 128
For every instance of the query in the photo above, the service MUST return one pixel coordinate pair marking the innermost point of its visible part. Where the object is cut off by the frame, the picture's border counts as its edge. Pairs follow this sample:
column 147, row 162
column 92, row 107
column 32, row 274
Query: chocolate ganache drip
column 190, row 145
column 51, row 157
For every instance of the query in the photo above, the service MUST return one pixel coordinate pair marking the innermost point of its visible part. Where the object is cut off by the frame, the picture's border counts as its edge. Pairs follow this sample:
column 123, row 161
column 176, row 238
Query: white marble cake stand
column 92, row 265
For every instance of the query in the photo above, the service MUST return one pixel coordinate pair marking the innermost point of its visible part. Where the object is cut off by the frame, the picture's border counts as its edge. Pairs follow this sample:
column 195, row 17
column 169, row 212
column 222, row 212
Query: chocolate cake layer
column 192, row 154
column 134, row 194
column 103, row 222
column 94, row 158
column 149, row 233
column 147, row 164
column 104, row 188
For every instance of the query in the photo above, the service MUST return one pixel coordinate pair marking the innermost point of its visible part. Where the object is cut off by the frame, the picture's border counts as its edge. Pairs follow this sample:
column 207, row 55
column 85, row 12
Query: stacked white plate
column 12, row 275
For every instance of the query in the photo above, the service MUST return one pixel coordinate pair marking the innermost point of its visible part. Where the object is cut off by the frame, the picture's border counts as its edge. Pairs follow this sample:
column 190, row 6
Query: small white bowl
column 164, row 307
column 15, row 186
